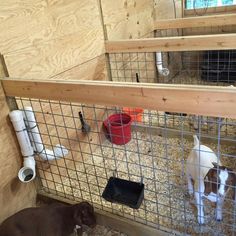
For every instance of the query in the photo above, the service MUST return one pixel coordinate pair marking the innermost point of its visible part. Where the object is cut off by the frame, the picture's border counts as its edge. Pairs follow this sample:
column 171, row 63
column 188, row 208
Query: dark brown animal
column 49, row 221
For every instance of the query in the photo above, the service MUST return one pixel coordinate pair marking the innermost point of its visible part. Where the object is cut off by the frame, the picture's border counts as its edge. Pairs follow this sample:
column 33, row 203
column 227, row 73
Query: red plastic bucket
column 118, row 127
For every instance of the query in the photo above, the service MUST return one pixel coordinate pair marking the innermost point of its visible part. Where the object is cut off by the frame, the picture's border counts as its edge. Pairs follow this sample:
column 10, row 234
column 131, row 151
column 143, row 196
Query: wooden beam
column 195, row 22
column 169, row 44
column 201, row 100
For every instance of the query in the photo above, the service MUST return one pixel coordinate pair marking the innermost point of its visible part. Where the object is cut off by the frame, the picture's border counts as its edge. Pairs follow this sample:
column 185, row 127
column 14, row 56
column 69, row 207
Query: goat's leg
column 190, row 184
column 199, row 190
column 219, row 205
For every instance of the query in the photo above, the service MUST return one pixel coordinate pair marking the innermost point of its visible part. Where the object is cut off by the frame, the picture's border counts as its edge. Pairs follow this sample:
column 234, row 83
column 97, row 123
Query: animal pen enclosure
column 153, row 156
column 161, row 139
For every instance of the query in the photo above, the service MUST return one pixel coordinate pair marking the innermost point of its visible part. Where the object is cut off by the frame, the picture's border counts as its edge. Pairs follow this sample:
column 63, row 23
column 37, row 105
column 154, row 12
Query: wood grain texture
column 128, row 18
column 196, row 22
column 165, row 44
column 14, row 195
column 200, row 100
column 94, row 69
column 164, row 9
column 49, row 37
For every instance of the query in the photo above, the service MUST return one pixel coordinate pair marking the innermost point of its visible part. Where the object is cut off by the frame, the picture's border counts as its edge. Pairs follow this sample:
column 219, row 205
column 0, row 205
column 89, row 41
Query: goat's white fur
column 198, row 164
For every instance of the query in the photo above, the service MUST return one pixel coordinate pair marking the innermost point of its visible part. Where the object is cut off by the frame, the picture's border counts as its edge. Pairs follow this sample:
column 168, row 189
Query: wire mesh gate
column 202, row 67
column 155, row 155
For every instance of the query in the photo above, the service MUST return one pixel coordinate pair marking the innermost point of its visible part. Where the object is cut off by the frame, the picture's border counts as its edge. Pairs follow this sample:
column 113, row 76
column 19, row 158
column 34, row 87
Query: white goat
column 208, row 178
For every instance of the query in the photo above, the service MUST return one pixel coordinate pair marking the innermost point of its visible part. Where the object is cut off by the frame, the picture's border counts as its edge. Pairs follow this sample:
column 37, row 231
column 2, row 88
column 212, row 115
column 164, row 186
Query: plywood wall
column 41, row 39
column 14, row 195
column 126, row 19
column 167, row 9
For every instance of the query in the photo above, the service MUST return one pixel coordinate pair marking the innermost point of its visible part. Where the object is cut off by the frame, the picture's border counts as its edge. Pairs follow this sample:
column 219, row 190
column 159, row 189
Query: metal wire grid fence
column 155, row 155
column 200, row 67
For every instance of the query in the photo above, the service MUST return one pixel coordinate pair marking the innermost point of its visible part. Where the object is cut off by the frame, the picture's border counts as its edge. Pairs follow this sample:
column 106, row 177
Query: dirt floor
column 100, row 230
column 161, row 162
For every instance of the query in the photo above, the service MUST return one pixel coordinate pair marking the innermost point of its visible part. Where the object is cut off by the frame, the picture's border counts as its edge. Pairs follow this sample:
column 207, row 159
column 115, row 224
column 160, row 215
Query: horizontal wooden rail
column 169, row 44
column 195, row 22
column 201, row 100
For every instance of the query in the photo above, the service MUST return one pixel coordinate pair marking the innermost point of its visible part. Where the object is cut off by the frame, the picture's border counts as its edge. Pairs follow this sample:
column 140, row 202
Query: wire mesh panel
column 128, row 67
column 153, row 154
column 216, row 68
column 200, row 67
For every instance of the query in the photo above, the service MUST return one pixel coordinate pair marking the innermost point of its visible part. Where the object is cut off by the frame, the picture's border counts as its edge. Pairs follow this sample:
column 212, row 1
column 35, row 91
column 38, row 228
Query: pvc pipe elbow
column 159, row 64
column 164, row 72
column 27, row 173
column 58, row 152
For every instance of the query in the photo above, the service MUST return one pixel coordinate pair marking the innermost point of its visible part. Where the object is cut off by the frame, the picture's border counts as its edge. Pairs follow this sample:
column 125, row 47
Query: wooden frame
column 169, row 44
column 195, row 22
column 200, row 100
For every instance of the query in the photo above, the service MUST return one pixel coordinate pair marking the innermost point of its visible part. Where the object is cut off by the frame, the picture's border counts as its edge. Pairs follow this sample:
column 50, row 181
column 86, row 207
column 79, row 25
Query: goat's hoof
column 201, row 220
column 219, row 218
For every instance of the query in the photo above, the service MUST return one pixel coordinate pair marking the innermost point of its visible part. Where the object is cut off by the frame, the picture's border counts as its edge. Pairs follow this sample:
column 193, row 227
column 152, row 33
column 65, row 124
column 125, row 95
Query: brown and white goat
column 207, row 178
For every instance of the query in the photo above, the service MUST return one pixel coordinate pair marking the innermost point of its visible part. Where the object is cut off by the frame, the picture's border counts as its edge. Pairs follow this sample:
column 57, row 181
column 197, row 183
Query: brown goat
column 49, row 221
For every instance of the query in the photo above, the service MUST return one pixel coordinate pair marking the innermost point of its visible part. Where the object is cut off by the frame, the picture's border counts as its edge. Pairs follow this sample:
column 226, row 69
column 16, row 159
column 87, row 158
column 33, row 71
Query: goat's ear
column 233, row 184
column 210, row 181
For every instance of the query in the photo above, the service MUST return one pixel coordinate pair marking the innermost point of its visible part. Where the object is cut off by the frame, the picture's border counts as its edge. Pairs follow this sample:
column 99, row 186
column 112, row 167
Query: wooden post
column 11, row 101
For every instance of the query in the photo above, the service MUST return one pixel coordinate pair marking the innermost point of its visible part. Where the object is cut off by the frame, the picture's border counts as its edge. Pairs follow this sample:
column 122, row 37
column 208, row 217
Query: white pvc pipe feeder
column 27, row 172
column 58, row 151
column 159, row 64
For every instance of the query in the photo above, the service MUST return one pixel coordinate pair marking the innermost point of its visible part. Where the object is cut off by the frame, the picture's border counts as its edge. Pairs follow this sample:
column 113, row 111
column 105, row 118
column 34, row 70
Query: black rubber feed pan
column 124, row 192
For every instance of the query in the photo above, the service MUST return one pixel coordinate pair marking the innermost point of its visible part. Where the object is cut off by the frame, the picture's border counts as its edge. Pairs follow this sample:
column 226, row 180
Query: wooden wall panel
column 127, row 18
column 94, row 69
column 48, row 37
column 53, row 57
column 164, row 9
column 14, row 195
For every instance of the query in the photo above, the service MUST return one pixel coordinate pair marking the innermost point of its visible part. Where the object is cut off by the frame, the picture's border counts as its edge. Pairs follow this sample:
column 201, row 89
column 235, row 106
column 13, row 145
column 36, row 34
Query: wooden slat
column 195, row 22
column 201, row 100
column 167, row 44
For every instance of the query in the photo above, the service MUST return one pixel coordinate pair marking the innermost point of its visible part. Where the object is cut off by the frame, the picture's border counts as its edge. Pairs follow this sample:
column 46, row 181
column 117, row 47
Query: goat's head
column 219, row 179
